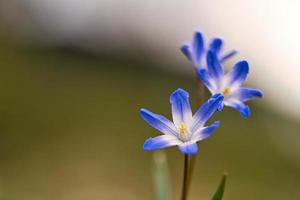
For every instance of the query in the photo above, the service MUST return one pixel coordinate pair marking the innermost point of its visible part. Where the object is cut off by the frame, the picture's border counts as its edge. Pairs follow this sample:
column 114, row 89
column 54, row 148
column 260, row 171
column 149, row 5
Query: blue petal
column 239, row 73
column 204, row 76
column 246, row 94
column 216, row 45
column 214, row 66
column 188, row 148
column 228, row 55
column 241, row 107
column 181, row 109
column 158, row 122
column 205, row 132
column 206, row 111
column 160, row 142
column 198, row 45
column 186, row 50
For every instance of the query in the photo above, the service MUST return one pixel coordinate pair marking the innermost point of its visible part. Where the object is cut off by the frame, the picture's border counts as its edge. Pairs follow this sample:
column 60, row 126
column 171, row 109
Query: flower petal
column 186, row 50
column 220, row 108
column 239, row 106
column 160, row 142
column 238, row 74
column 181, row 109
column 198, row 47
column 213, row 65
column 188, row 148
column 206, row 111
column 216, row 45
column 228, row 55
column 205, row 132
column 207, row 79
column 158, row 122
column 245, row 94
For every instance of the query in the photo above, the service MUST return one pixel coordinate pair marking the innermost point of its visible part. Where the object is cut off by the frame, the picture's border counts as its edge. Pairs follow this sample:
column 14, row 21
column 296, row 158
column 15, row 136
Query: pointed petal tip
column 246, row 94
column 198, row 34
column 239, row 106
column 160, row 142
column 216, row 44
column 245, row 112
column 143, row 112
column 238, row 74
column 218, row 40
column 185, row 49
column 147, row 144
column 259, row 93
column 243, row 64
column 198, row 38
column 179, row 92
column 198, row 48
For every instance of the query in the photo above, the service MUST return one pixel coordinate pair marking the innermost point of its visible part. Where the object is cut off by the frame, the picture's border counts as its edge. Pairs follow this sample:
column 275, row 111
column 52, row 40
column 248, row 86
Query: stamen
column 226, row 91
column 183, row 132
column 182, row 128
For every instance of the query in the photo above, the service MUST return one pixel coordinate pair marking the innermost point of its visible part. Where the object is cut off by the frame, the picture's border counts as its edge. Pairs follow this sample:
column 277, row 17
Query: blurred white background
column 264, row 31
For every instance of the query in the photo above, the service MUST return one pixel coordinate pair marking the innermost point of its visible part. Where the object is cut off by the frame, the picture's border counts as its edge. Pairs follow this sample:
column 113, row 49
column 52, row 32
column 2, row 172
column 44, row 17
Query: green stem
column 185, row 178
column 200, row 99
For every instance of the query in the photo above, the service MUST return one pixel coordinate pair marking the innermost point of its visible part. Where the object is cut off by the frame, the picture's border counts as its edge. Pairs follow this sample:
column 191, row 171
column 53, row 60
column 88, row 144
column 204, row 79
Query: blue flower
column 196, row 51
column 186, row 129
column 230, row 84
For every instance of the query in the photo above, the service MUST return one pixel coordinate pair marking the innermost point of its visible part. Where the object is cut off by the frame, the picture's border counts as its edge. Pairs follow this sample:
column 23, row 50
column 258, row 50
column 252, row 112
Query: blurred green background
column 70, row 130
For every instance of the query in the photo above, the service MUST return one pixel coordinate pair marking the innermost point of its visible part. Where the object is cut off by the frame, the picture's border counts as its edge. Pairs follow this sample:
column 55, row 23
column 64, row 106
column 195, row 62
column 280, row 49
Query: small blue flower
column 196, row 51
column 186, row 129
column 229, row 85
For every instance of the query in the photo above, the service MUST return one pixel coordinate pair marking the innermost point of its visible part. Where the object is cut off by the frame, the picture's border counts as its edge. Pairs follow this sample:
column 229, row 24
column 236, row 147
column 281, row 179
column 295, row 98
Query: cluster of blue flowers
column 226, row 89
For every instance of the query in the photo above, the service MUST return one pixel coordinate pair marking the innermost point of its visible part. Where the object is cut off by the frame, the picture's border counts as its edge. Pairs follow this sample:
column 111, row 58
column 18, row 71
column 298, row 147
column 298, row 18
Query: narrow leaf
column 160, row 175
column 220, row 191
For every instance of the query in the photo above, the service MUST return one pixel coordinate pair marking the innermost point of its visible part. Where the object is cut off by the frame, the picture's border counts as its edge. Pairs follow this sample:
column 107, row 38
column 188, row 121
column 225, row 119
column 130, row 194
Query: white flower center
column 226, row 91
column 183, row 131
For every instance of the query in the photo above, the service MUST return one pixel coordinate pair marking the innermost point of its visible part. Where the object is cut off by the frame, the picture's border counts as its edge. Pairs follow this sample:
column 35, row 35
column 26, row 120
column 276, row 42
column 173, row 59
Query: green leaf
column 220, row 191
column 160, row 175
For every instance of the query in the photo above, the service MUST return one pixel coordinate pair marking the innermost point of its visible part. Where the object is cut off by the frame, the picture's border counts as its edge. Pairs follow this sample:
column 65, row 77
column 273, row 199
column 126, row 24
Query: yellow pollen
column 182, row 128
column 226, row 91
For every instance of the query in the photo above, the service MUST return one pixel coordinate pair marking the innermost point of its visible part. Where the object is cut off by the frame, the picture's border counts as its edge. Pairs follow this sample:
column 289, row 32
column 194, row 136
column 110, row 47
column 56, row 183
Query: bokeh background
column 74, row 74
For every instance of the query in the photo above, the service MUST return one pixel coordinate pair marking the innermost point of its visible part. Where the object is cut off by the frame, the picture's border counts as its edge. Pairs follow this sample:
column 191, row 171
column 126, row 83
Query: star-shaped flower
column 186, row 129
column 196, row 51
column 230, row 84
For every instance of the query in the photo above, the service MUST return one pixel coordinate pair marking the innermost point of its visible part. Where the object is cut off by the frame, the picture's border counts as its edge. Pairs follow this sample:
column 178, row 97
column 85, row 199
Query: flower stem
column 200, row 92
column 192, row 159
column 185, row 177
